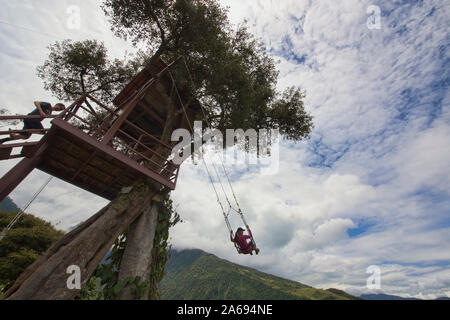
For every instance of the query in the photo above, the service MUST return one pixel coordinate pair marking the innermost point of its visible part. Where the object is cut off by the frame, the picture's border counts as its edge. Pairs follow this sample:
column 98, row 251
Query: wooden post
column 118, row 123
column 17, row 174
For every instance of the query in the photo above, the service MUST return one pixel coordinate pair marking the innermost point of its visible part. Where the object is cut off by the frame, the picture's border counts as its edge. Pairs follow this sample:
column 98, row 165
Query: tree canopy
column 77, row 67
column 26, row 241
column 235, row 78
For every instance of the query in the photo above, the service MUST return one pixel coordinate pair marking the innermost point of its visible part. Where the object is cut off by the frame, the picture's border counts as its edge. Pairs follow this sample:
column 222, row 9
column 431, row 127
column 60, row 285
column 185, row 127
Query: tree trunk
column 137, row 257
column 46, row 278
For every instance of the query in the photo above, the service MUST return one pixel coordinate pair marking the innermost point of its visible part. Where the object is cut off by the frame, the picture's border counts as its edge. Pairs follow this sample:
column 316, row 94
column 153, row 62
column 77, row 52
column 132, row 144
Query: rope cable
column 203, row 159
column 21, row 212
column 209, row 125
column 215, row 168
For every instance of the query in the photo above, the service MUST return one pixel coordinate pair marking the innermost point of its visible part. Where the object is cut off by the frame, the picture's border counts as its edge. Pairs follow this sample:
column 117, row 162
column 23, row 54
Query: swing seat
column 239, row 250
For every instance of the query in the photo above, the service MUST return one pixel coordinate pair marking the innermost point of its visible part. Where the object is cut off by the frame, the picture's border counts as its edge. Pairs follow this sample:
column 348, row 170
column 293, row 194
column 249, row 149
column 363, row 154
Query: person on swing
column 240, row 239
column 42, row 109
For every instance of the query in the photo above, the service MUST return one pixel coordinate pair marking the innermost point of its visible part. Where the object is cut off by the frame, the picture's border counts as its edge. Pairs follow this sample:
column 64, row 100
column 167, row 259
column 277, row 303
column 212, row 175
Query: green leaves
column 77, row 67
column 289, row 116
column 234, row 76
column 108, row 273
column 26, row 241
column 90, row 290
column 117, row 288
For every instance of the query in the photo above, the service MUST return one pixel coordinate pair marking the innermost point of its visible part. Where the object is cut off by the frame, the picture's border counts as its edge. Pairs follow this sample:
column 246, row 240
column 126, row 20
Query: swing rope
column 21, row 212
column 209, row 125
column 205, row 118
column 203, row 159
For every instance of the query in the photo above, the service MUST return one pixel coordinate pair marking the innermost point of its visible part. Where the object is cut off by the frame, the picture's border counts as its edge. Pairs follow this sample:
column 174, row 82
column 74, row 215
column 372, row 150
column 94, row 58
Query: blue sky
column 370, row 186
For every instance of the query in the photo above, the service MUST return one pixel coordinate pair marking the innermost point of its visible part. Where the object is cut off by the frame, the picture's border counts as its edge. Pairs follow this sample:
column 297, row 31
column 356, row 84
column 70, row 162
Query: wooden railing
column 97, row 120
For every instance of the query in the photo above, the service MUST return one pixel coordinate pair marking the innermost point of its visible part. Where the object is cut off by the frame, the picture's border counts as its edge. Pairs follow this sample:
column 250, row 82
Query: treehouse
column 106, row 148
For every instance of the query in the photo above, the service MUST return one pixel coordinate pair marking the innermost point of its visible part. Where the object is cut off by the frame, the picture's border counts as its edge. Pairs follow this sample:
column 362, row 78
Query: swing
column 239, row 211
column 238, row 248
column 234, row 235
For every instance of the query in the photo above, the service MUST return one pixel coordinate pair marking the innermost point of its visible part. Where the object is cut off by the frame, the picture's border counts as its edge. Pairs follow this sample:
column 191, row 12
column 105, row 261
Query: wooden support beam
column 2, row 133
column 18, row 145
column 19, row 117
column 17, row 174
column 92, row 110
column 113, row 153
column 16, row 156
column 102, row 127
column 67, row 169
column 56, row 155
column 118, row 123
column 93, row 154
column 152, row 113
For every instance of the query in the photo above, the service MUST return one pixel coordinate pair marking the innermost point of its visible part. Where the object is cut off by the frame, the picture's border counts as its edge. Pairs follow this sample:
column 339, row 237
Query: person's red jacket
column 244, row 246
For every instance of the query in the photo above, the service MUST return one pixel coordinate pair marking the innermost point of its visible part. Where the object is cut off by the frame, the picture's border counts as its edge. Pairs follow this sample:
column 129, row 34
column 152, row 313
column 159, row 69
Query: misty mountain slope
column 197, row 275
column 8, row 205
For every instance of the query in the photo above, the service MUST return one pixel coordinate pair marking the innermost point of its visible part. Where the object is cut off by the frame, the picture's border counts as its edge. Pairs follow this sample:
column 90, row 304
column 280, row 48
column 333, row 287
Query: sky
column 368, row 188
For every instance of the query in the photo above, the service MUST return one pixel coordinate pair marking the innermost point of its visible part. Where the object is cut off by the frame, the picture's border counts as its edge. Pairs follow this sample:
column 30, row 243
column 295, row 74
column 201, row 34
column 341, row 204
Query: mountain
column 197, row 275
column 382, row 296
column 7, row 205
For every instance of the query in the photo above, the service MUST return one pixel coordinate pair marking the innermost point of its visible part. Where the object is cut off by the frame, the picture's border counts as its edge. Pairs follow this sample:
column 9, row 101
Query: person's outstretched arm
column 231, row 236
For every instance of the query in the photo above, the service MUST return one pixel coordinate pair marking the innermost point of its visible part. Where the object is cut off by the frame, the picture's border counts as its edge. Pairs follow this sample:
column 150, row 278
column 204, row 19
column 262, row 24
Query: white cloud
column 377, row 161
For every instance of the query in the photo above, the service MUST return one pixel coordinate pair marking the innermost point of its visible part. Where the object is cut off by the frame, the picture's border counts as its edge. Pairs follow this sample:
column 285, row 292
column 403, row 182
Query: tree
column 109, row 271
column 25, row 242
column 232, row 74
column 234, row 77
column 82, row 67
column 236, row 81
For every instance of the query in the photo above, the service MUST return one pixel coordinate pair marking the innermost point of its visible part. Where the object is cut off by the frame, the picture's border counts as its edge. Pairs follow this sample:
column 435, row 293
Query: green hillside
column 197, row 275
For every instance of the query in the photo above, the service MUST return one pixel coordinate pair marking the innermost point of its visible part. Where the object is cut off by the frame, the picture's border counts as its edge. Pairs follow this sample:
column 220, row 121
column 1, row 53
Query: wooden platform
column 75, row 157
column 121, row 147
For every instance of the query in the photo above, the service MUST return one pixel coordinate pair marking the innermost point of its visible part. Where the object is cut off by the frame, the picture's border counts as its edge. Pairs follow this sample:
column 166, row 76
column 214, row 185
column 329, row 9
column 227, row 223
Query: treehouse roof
column 153, row 101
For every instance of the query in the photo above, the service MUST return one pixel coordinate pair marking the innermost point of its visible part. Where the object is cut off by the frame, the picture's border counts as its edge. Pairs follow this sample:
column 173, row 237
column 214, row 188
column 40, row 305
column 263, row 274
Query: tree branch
column 83, row 88
column 103, row 85
column 163, row 44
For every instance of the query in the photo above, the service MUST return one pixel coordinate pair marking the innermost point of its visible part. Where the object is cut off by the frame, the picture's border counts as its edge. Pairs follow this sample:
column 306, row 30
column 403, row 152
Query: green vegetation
column 26, row 241
column 90, row 291
column 234, row 77
column 190, row 274
column 74, row 68
column 196, row 275
column 29, row 238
